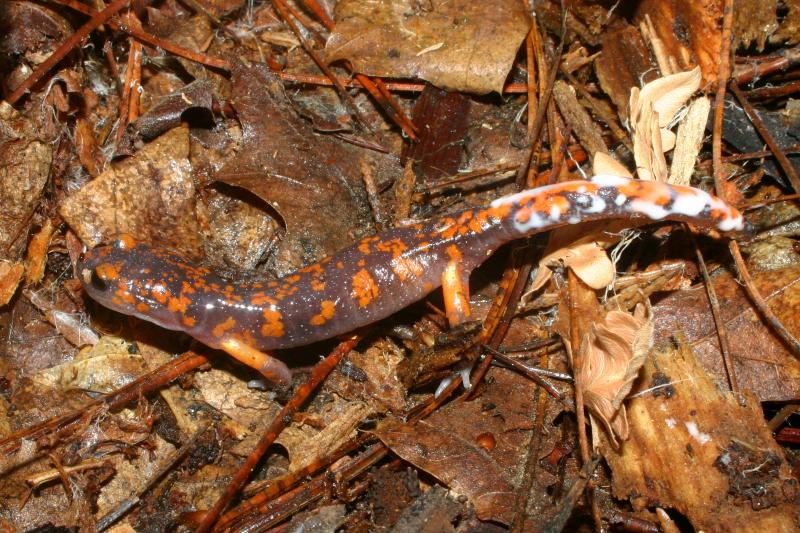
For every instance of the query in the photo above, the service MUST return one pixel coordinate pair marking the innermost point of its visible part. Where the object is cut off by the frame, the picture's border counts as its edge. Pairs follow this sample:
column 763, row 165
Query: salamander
column 372, row 278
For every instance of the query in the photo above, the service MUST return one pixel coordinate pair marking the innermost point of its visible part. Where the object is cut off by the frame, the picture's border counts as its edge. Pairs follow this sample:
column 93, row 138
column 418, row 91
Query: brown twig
column 61, row 425
column 573, row 284
column 376, row 89
column 152, row 40
column 318, row 375
column 719, row 99
column 413, row 87
column 541, row 112
column 71, row 42
column 722, row 329
column 275, row 487
column 283, row 10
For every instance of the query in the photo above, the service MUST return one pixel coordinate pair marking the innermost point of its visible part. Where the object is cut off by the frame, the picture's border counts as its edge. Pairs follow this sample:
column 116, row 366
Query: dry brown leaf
column 37, row 253
column 461, row 45
column 150, row 195
column 652, row 109
column 10, row 276
column 613, row 352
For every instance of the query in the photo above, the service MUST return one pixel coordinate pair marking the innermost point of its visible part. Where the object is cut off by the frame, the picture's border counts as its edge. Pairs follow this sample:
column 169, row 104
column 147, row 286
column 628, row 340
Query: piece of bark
column 584, row 128
column 697, row 449
column 689, row 31
column 625, row 62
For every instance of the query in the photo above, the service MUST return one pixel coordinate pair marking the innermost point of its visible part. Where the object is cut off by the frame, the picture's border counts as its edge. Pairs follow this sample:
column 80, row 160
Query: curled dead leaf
column 613, row 353
column 652, row 110
column 585, row 254
column 603, row 163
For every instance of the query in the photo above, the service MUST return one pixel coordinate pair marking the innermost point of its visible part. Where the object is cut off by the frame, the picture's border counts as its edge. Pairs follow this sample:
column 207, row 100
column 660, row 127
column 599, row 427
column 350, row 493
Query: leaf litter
column 254, row 166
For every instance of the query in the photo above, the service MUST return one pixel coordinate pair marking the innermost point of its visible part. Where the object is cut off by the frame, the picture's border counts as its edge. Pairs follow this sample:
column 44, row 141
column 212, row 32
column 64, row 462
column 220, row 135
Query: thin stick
column 71, row 42
column 719, row 99
column 318, row 375
column 722, row 330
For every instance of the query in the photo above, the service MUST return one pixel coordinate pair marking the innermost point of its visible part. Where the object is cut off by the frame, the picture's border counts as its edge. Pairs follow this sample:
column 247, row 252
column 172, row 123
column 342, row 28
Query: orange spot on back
column 179, row 304
column 405, row 268
column 221, row 328
column 160, row 293
column 261, row 298
column 395, row 246
column 273, row 323
column 188, row 321
column 327, row 311
column 125, row 296
column 364, row 288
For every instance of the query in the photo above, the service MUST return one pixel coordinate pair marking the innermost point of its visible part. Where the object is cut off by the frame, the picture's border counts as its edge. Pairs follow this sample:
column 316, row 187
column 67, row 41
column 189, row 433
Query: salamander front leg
column 270, row 367
column 455, row 286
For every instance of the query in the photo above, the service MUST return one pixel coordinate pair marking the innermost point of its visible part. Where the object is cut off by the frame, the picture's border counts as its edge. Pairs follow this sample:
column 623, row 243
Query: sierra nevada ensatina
column 372, row 278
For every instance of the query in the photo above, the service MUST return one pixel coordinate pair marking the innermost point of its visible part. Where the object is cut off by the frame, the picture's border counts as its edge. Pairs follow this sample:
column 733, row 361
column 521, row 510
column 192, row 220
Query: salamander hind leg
column 271, row 368
column 455, row 287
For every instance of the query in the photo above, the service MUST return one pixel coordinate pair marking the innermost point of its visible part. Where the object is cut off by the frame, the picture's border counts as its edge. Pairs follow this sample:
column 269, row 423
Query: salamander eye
column 98, row 283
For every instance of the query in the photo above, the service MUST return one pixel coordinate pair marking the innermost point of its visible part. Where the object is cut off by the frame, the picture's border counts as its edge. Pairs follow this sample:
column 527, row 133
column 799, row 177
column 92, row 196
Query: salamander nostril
column 98, row 283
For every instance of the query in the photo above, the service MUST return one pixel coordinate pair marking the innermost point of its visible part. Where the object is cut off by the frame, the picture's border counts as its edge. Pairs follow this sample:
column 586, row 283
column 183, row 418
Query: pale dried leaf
column 652, row 109
column 584, row 254
column 613, row 353
column 603, row 163
column 104, row 367
column 670, row 93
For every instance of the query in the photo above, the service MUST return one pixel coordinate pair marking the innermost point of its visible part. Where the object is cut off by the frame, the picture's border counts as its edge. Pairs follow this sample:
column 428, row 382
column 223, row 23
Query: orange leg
column 455, row 285
column 271, row 368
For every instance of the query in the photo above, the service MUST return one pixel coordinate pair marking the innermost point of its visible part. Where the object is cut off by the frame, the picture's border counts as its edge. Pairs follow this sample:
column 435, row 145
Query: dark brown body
column 373, row 278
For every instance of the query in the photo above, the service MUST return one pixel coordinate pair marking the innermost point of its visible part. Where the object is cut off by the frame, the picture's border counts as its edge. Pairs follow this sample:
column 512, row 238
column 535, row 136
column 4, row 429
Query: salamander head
column 135, row 279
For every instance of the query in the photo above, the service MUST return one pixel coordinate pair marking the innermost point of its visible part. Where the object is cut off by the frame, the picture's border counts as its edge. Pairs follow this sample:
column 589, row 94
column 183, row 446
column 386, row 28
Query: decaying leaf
column 459, row 463
column 702, row 451
column 150, row 195
column 24, row 167
column 652, row 109
column 464, row 45
column 614, row 351
column 104, row 367
column 10, row 276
